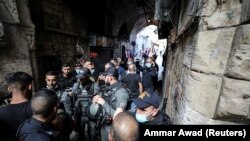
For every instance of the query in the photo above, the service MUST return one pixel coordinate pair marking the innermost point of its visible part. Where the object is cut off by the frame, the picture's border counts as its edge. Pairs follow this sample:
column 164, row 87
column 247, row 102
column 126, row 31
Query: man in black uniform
column 12, row 115
column 147, row 112
column 38, row 128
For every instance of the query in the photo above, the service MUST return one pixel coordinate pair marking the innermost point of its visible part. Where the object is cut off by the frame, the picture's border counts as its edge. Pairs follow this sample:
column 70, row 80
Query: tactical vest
column 108, row 95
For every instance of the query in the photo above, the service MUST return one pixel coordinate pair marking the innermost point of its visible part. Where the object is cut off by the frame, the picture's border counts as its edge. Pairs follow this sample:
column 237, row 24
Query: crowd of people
column 74, row 105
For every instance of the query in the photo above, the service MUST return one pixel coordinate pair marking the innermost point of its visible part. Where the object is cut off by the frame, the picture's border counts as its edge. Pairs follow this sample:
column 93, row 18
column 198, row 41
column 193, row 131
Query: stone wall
column 208, row 70
column 42, row 46
column 57, row 35
column 52, row 50
column 19, row 38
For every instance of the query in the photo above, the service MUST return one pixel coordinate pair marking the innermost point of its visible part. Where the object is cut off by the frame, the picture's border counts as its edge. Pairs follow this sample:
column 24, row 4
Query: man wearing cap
column 113, row 100
column 12, row 115
column 147, row 112
column 101, row 77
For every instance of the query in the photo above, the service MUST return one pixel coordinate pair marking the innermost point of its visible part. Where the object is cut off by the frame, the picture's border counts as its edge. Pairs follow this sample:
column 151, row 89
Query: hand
column 70, row 93
column 98, row 99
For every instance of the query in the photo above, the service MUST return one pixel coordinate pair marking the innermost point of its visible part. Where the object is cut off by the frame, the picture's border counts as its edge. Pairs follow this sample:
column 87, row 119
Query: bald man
column 44, row 107
column 124, row 128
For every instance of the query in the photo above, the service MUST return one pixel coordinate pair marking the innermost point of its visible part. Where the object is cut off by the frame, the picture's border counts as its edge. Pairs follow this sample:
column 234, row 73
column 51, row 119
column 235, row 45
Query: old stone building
column 208, row 66
column 207, row 71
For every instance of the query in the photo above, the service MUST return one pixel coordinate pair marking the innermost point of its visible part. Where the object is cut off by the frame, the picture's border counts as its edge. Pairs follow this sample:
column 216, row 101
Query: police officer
column 147, row 109
column 113, row 101
column 83, row 90
column 83, row 86
column 38, row 128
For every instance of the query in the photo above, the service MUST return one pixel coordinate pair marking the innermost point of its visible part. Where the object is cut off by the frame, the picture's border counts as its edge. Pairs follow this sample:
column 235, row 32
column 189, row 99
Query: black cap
column 112, row 71
column 81, row 76
column 18, row 77
column 146, row 99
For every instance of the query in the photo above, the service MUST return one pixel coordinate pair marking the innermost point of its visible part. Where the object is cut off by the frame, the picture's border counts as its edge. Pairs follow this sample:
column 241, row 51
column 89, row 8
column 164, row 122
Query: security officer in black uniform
column 44, row 109
column 113, row 101
column 147, row 109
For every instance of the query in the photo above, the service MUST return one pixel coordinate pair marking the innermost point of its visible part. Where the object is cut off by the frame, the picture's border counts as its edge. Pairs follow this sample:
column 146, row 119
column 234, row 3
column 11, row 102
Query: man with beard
column 63, row 121
column 66, row 79
column 51, row 80
column 52, row 83
column 113, row 100
column 12, row 115
column 44, row 109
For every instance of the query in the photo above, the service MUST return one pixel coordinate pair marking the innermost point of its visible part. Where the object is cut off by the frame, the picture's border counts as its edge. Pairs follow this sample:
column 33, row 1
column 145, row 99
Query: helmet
column 95, row 111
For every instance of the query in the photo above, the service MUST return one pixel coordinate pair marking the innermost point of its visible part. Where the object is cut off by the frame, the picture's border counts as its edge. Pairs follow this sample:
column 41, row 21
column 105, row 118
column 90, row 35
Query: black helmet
column 85, row 73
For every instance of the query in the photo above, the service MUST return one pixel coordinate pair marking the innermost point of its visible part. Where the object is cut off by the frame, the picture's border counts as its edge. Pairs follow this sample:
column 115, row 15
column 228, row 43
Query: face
column 65, row 71
column 106, row 67
column 89, row 65
column 129, row 62
column 112, row 61
column 51, row 81
column 150, row 112
column 149, row 61
column 107, row 79
column 131, row 68
column 77, row 68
